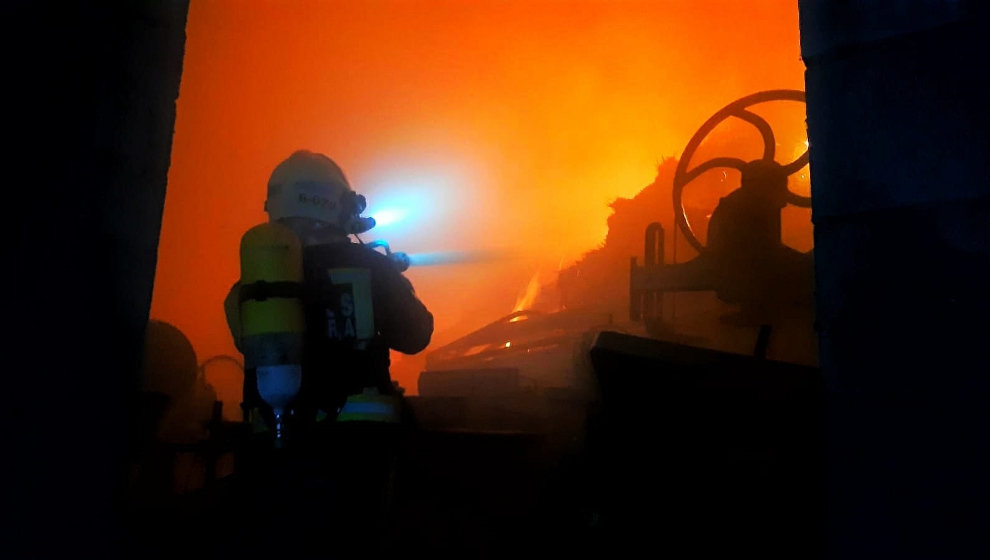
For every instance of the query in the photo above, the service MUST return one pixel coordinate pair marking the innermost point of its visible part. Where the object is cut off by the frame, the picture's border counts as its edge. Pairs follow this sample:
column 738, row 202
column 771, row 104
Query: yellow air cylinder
column 271, row 308
column 272, row 318
column 271, row 274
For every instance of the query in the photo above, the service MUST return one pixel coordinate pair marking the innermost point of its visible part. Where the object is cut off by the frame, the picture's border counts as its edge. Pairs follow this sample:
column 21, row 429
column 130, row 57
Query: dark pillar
column 90, row 91
column 897, row 120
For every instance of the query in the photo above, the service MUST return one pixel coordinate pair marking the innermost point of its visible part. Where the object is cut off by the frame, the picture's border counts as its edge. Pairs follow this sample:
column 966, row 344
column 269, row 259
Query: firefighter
column 349, row 306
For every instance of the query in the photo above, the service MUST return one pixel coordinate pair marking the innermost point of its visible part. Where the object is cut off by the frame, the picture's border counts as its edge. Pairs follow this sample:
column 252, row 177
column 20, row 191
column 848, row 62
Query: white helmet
column 311, row 185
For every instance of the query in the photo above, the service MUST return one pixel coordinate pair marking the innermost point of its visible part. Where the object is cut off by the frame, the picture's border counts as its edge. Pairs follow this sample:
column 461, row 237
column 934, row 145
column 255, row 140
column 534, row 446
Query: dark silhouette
column 175, row 405
column 750, row 264
column 326, row 483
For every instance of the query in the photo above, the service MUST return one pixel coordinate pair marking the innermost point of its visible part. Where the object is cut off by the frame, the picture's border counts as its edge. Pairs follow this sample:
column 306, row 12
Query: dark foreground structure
column 897, row 123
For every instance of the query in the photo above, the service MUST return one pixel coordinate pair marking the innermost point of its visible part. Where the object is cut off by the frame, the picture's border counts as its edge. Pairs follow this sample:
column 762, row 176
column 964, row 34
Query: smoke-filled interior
column 507, row 136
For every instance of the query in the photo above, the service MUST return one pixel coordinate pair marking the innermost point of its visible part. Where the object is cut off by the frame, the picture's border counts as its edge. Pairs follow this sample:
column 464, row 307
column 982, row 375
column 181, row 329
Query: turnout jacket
column 358, row 307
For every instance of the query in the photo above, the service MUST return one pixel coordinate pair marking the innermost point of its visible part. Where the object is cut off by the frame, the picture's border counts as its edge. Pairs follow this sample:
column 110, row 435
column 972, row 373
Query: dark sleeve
column 403, row 321
column 232, row 311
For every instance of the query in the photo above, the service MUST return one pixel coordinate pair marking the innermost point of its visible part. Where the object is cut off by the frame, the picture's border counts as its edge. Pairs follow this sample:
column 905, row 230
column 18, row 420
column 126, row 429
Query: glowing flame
column 529, row 295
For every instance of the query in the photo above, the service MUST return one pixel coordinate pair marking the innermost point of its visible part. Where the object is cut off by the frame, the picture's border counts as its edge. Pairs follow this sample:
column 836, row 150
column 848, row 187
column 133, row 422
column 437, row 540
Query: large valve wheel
column 738, row 109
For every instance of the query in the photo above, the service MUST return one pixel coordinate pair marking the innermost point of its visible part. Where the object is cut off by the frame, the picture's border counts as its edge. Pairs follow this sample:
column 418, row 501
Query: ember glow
column 482, row 126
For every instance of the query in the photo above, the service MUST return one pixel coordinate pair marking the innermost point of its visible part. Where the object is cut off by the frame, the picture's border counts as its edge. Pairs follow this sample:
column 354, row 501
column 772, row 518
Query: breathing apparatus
column 271, row 315
column 308, row 196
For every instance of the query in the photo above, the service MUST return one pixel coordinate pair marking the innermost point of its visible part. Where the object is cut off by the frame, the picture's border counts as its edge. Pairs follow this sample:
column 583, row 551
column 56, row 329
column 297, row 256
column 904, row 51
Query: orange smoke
column 512, row 123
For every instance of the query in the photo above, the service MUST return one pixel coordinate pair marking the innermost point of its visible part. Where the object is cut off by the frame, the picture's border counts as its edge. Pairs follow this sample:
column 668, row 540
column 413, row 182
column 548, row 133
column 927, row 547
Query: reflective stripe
column 360, row 407
column 367, row 408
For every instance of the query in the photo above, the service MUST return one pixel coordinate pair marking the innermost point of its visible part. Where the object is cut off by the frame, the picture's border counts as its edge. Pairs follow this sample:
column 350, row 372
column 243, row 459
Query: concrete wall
column 91, row 90
column 898, row 127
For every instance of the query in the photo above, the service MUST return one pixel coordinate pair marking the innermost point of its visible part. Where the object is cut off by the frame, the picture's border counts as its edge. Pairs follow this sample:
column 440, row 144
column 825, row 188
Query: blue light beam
column 389, row 216
column 455, row 257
